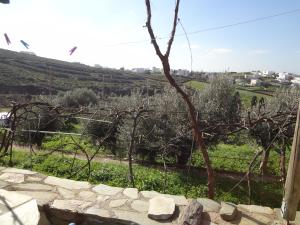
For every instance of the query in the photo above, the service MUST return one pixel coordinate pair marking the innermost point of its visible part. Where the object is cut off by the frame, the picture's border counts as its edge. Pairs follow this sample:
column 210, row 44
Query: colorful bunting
column 7, row 39
column 72, row 50
column 25, row 44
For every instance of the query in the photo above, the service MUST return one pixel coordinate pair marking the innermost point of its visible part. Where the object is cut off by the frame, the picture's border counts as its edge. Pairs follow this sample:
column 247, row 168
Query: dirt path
column 200, row 170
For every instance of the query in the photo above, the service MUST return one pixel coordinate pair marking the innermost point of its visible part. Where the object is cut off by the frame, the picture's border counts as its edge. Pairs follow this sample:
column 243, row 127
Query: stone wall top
column 61, row 201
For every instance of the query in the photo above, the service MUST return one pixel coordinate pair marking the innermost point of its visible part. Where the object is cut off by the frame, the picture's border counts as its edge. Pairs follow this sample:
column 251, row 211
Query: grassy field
column 246, row 94
column 191, row 184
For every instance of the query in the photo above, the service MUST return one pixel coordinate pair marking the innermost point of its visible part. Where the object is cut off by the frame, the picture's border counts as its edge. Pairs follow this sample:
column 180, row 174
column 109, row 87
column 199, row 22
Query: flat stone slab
column 71, row 205
column 140, row 206
column 12, row 198
column 107, row 190
column 149, row 194
column 42, row 198
column 3, row 184
column 256, row 209
column 117, row 203
column 161, row 208
column 137, row 218
column 209, row 205
column 178, row 199
column 15, row 170
column 33, row 187
column 65, row 193
column 13, row 177
column 132, row 193
column 87, row 195
column 99, row 212
column 66, row 183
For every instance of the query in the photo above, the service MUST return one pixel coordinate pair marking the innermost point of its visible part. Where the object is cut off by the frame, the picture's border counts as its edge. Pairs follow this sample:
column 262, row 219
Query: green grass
column 246, row 95
column 196, row 84
column 236, row 158
column 191, row 184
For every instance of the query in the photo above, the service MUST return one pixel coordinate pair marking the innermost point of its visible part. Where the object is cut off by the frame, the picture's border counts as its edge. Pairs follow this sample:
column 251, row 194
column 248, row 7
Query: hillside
column 25, row 74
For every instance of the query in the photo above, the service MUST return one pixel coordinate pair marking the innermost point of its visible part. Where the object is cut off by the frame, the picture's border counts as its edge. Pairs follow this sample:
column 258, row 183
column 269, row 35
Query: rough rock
column 131, row 193
column 209, row 205
column 140, row 206
column 161, row 208
column 66, row 183
column 178, row 199
column 117, row 203
column 107, row 190
column 191, row 214
column 228, row 211
column 12, row 177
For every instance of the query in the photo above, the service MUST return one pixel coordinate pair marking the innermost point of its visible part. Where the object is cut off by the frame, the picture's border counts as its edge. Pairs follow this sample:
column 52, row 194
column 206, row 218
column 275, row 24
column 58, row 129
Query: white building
column 156, row 70
column 267, row 73
column 3, row 118
column 140, row 70
column 181, row 72
column 255, row 82
column 296, row 81
column 284, row 77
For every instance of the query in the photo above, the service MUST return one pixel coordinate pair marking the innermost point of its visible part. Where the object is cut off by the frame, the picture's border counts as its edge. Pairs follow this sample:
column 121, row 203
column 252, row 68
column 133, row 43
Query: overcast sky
column 102, row 30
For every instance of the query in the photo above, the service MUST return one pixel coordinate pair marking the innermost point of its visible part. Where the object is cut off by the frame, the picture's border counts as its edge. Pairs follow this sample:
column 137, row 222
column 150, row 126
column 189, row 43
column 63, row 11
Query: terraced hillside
column 25, row 74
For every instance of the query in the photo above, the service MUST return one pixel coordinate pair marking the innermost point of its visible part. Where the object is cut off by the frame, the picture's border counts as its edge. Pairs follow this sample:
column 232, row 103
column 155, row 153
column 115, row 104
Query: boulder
column 161, row 208
column 191, row 214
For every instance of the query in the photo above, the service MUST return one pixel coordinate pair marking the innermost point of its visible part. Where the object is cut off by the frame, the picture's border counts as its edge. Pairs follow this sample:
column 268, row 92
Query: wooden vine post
column 291, row 198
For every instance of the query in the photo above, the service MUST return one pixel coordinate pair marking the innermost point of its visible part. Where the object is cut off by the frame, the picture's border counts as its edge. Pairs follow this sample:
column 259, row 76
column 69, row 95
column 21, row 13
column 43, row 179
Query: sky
column 111, row 33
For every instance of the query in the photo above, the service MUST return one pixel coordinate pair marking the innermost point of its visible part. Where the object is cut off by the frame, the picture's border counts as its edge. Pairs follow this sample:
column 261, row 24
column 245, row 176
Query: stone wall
column 62, row 201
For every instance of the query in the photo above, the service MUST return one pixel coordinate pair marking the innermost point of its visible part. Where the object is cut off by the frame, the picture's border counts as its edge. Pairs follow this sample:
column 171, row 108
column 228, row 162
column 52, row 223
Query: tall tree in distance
column 164, row 58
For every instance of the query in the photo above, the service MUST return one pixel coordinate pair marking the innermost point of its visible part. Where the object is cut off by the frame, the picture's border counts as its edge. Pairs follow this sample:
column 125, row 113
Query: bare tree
column 164, row 58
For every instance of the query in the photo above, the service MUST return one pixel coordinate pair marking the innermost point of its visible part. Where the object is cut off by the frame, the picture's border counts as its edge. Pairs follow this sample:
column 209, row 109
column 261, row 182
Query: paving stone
column 15, row 170
column 161, row 208
column 99, row 212
column 12, row 198
column 71, row 205
column 65, row 193
column 228, row 211
column 132, row 193
column 256, row 209
column 149, row 194
column 191, row 214
column 107, row 190
column 206, row 222
column 87, row 195
column 33, row 187
column 140, row 206
column 12, row 177
column 117, row 203
column 209, row 205
column 43, row 198
column 102, row 198
column 27, row 214
column 137, row 218
column 253, row 220
column 179, row 200
column 3, row 184
column 34, row 178
column 66, row 183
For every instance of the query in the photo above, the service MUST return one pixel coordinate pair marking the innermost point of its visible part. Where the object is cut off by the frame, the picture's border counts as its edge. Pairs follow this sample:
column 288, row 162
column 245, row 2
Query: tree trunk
column 192, row 111
column 264, row 162
column 130, row 151
column 282, row 164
